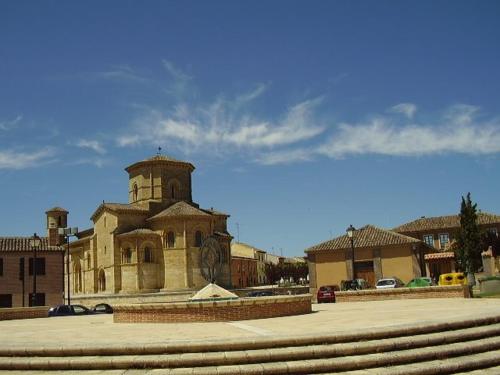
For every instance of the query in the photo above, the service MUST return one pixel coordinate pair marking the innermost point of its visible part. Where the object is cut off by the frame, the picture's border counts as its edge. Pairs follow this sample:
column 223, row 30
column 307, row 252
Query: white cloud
column 407, row 109
column 9, row 124
column 91, row 144
column 122, row 73
column 182, row 82
column 10, row 159
column 285, row 157
column 224, row 125
column 455, row 133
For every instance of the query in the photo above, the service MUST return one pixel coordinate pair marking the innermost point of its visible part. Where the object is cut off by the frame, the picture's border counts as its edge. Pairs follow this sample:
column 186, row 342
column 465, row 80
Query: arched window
column 102, row 281
column 198, row 238
column 172, row 191
column 136, row 191
column 170, row 239
column 127, row 256
column 148, row 255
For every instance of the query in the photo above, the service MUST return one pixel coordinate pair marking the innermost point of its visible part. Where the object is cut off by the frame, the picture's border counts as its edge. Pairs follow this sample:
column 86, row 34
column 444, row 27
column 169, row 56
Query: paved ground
column 100, row 329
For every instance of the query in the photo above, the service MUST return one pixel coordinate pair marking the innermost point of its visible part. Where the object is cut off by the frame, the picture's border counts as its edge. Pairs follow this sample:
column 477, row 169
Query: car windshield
column 326, row 289
column 386, row 282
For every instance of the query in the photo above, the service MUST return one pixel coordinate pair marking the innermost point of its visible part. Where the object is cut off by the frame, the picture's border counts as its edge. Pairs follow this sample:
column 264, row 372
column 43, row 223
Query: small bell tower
column 57, row 217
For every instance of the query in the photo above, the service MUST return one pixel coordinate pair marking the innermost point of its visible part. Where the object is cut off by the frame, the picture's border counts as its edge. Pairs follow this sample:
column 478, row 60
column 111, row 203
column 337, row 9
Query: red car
column 326, row 293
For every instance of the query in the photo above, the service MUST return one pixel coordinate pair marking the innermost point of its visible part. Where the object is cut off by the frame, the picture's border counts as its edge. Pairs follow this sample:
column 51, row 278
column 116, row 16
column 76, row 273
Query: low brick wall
column 90, row 300
column 24, row 312
column 214, row 311
column 403, row 293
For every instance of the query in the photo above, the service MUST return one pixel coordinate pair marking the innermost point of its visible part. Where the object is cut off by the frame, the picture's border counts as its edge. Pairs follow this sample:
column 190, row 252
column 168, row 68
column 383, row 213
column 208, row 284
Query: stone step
column 487, row 363
column 307, row 359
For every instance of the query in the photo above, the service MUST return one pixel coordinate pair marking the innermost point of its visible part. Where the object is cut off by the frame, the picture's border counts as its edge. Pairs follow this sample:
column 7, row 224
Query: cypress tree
column 468, row 244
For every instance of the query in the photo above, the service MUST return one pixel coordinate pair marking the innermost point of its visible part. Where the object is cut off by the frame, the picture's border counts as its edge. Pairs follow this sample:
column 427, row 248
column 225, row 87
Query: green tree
column 468, row 245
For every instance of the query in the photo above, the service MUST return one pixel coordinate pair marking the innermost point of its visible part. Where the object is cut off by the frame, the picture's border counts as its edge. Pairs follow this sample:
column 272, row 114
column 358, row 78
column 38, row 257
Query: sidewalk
column 100, row 329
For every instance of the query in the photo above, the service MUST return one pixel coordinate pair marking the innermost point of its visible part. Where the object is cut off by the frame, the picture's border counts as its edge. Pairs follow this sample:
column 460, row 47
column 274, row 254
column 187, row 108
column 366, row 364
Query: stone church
column 153, row 242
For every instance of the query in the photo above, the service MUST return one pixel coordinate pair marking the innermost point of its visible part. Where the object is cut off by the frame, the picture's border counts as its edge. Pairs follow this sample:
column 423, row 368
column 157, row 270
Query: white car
column 390, row 282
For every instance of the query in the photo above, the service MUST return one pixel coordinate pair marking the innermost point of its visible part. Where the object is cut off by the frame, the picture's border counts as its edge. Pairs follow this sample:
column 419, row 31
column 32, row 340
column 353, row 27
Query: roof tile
column 442, row 222
column 368, row 235
column 23, row 244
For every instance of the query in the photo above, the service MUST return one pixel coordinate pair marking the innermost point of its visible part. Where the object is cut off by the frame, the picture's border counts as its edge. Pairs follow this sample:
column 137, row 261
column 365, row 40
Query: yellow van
column 455, row 278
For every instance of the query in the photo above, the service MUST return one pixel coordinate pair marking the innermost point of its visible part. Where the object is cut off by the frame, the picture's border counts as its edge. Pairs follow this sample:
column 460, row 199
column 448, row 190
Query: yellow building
column 155, row 241
column 378, row 253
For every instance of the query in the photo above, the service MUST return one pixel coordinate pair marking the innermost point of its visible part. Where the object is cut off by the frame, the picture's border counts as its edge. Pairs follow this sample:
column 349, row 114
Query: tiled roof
column 445, row 255
column 179, row 209
column 223, row 234
column 442, row 222
column 56, row 209
column 120, row 207
column 368, row 235
column 211, row 211
column 139, row 232
column 161, row 159
column 85, row 233
column 23, row 244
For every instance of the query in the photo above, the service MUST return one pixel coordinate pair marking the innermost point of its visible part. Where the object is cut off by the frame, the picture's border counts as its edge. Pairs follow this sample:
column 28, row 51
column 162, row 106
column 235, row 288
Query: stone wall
column 24, row 312
column 214, row 311
column 402, row 293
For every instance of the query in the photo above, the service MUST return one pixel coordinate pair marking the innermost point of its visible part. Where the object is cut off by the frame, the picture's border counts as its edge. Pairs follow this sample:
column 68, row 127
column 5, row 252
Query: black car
column 69, row 310
column 102, row 308
column 260, row 293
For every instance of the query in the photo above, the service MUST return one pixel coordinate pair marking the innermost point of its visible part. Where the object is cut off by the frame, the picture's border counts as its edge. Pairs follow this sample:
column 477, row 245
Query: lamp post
column 34, row 244
column 67, row 233
column 350, row 233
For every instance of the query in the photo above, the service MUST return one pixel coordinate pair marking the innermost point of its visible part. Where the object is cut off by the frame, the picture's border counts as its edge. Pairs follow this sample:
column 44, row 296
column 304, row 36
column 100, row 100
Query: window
column 127, row 256
column 39, row 300
column 89, row 261
column 136, row 191
column 40, row 266
column 429, row 239
column 170, row 239
column 148, row 255
column 172, row 191
column 1, row 266
column 5, row 300
column 198, row 238
column 444, row 238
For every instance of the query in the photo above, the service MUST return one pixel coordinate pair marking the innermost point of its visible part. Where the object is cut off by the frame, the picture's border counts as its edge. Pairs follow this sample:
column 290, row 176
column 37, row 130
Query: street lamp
column 350, row 233
column 34, row 244
column 68, row 232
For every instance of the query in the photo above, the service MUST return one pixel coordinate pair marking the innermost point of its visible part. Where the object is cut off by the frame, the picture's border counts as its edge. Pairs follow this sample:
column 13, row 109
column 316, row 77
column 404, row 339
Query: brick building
column 16, row 272
column 243, row 271
column 440, row 232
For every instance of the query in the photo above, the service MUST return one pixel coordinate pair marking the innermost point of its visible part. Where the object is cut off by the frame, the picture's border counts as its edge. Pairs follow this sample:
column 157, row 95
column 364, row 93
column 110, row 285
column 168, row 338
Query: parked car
column 390, row 282
column 260, row 293
column 102, row 308
column 419, row 282
column 68, row 310
column 454, row 278
column 326, row 293
column 356, row 284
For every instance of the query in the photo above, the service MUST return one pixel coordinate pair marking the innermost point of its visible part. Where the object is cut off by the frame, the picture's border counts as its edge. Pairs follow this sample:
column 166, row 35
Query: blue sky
column 301, row 117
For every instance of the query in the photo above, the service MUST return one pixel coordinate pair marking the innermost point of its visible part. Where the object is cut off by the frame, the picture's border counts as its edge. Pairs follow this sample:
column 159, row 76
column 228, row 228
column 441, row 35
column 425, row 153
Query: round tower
column 160, row 179
column 57, row 217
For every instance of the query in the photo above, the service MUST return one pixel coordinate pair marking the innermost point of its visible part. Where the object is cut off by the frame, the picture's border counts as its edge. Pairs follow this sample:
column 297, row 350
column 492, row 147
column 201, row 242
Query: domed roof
column 56, row 209
column 161, row 159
